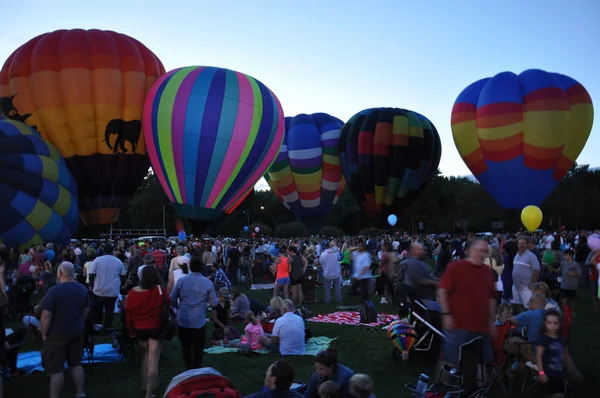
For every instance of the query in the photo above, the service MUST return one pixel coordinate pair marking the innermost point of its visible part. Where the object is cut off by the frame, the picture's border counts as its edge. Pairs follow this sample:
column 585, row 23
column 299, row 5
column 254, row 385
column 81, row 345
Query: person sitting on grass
column 278, row 381
column 254, row 332
column 220, row 317
column 241, row 304
column 329, row 390
column 288, row 333
column 361, row 386
column 328, row 369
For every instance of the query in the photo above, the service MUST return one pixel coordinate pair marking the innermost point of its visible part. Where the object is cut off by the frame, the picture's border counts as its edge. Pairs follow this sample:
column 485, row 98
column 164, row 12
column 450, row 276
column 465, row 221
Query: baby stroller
column 204, row 382
column 20, row 296
column 426, row 323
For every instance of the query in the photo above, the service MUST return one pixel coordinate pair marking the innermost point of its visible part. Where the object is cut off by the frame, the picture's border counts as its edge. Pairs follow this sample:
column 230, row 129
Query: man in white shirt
column 107, row 274
column 331, row 272
column 548, row 239
column 288, row 332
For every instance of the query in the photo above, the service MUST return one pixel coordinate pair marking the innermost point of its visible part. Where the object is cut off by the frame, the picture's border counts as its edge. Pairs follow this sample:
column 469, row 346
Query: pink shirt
column 253, row 334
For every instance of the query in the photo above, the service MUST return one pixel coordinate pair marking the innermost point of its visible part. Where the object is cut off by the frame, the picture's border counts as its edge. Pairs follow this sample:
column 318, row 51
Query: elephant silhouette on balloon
column 126, row 132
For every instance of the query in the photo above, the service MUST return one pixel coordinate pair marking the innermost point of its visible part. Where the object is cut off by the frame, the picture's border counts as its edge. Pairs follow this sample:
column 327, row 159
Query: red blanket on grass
column 351, row 318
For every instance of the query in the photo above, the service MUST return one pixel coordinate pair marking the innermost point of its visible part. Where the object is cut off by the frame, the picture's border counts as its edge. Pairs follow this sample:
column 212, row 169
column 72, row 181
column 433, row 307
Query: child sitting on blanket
column 329, row 390
column 254, row 332
column 220, row 317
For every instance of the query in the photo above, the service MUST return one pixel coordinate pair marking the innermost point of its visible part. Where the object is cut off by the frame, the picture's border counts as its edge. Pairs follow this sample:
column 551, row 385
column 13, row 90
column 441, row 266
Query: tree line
column 450, row 204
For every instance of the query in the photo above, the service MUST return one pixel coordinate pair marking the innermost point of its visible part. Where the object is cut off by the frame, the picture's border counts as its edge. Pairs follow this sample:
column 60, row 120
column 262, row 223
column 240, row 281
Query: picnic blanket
column 351, row 318
column 31, row 361
column 313, row 347
column 262, row 286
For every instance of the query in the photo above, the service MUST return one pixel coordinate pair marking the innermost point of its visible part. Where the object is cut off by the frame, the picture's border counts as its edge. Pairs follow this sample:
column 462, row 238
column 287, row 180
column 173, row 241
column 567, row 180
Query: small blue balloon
column 182, row 235
column 246, row 228
column 392, row 219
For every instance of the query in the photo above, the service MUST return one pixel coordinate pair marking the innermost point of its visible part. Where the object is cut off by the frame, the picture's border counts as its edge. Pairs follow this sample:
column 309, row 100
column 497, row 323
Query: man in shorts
column 526, row 271
column 64, row 310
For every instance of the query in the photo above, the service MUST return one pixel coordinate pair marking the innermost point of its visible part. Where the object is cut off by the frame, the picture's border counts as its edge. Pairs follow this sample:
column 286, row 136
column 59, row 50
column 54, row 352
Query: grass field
column 361, row 351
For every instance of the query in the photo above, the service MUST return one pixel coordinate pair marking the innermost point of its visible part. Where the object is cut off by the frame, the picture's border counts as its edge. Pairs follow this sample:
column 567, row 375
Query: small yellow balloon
column 531, row 217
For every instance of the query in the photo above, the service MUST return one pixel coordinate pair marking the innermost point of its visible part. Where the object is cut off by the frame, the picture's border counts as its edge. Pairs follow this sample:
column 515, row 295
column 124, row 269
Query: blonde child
column 329, row 390
column 552, row 357
column 504, row 314
column 361, row 386
column 253, row 331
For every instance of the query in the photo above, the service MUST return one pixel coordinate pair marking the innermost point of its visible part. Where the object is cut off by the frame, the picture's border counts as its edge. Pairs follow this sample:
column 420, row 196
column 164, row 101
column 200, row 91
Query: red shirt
column 160, row 258
column 593, row 269
column 470, row 288
column 144, row 309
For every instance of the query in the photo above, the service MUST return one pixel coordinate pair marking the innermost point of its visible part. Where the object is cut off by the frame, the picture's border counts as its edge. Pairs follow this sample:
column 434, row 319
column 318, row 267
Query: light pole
column 247, row 211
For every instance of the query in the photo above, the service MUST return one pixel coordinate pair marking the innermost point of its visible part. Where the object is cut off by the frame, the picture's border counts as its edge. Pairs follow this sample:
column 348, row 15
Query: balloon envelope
column 520, row 134
column 531, row 217
column 38, row 194
column 211, row 133
column 84, row 92
column 389, row 156
column 307, row 176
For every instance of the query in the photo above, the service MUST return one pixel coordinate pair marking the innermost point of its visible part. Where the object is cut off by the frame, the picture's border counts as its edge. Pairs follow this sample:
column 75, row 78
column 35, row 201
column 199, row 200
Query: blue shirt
column 194, row 291
column 67, row 301
column 553, row 355
column 533, row 320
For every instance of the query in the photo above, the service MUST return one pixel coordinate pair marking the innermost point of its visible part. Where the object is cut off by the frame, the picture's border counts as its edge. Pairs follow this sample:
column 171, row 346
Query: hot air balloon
column 403, row 335
column 307, row 176
column 38, row 194
column 389, row 156
column 84, row 92
column 211, row 133
column 520, row 134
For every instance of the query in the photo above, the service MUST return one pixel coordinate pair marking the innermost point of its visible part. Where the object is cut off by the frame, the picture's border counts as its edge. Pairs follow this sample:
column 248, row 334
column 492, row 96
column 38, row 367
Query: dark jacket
column 341, row 375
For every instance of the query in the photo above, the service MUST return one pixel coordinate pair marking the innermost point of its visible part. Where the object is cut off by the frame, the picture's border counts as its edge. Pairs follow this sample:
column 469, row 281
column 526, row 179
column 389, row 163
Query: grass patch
column 362, row 351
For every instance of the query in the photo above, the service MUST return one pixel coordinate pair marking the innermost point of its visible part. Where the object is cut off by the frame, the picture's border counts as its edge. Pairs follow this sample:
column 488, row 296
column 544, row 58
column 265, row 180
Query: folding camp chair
column 501, row 359
column 470, row 364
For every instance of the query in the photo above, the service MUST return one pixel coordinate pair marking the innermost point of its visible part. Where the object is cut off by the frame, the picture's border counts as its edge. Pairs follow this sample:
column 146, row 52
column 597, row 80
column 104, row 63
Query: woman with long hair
column 144, row 308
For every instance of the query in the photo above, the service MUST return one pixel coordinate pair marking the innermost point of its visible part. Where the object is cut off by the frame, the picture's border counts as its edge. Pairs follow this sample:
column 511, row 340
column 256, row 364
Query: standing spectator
column 467, row 297
column 526, row 271
column 160, row 260
column 65, row 308
column 107, row 274
column 194, row 292
column 361, row 259
column 582, row 251
column 331, row 272
column 233, row 263
column 144, row 315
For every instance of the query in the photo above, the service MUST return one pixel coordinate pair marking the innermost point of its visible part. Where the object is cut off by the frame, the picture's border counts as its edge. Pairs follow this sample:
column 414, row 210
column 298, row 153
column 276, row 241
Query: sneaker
column 383, row 301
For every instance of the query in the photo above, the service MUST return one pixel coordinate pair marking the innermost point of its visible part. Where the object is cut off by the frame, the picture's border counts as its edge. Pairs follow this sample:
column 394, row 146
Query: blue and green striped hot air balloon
column 38, row 194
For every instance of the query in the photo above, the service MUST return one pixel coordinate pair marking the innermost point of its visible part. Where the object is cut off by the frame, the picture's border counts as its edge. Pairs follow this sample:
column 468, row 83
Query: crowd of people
column 477, row 284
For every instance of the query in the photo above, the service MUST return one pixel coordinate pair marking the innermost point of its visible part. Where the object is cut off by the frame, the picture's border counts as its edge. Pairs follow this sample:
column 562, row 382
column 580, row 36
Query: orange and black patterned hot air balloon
column 84, row 91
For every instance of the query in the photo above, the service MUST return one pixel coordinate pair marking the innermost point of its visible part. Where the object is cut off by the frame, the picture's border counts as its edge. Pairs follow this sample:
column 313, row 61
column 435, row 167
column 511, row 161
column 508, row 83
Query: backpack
column 368, row 313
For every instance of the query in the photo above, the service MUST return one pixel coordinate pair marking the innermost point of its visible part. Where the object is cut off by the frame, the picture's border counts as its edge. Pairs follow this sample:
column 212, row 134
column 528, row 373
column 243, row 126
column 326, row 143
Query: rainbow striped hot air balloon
column 307, row 176
column 211, row 134
column 389, row 156
column 520, row 134
column 38, row 194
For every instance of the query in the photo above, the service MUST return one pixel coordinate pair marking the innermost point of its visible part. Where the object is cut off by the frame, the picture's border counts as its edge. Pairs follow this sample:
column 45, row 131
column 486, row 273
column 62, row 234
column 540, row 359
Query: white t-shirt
column 108, row 270
column 548, row 242
column 290, row 330
column 395, row 245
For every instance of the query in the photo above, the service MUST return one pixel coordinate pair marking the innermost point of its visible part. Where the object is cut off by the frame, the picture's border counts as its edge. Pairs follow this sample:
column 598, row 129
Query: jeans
column 337, row 289
column 104, row 305
column 192, row 346
column 232, row 275
column 364, row 288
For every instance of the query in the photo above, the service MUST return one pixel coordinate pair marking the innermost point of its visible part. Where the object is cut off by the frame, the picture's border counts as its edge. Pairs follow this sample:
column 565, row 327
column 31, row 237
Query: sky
column 340, row 57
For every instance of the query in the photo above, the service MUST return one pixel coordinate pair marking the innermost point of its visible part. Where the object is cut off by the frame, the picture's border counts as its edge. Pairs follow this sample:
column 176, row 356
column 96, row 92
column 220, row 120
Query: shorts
column 58, row 348
column 147, row 334
column 555, row 385
column 455, row 338
column 568, row 293
column 282, row 281
column 296, row 281
column 521, row 296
